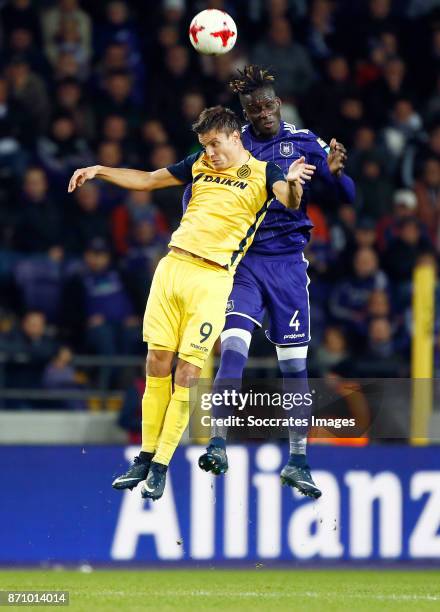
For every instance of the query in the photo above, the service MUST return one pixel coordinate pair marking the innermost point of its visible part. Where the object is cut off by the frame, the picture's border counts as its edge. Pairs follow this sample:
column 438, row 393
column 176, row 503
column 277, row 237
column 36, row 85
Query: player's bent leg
column 175, row 422
column 155, row 401
column 296, row 473
column 235, row 344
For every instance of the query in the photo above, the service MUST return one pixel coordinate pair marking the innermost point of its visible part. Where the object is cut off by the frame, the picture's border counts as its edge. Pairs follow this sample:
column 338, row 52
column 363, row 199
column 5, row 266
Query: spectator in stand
column 21, row 14
column 12, row 132
column 417, row 155
column 28, row 90
column 118, row 58
column 130, row 416
column 364, row 236
column 400, row 257
column 39, row 224
column 320, row 31
column 29, row 348
column 171, row 83
column 110, row 154
column 61, row 375
column 387, row 90
column 69, row 99
column 115, row 129
column 138, row 207
column 62, row 151
column 379, row 304
column 117, row 98
column 169, row 200
column 320, row 257
column 374, row 190
column 323, row 100
column 97, row 306
column 359, row 34
column 350, row 117
column 167, row 36
column 54, row 21
column 67, row 67
column 342, row 229
column 86, row 220
column 152, row 134
column 369, row 70
column 364, row 145
column 427, row 191
column 380, row 358
column 69, row 40
column 39, row 281
column 403, row 129
column 289, row 60
column 21, row 43
column 349, row 298
column 431, row 109
column 191, row 106
column 332, row 352
column 404, row 205
column 144, row 252
column 118, row 28
column 214, row 89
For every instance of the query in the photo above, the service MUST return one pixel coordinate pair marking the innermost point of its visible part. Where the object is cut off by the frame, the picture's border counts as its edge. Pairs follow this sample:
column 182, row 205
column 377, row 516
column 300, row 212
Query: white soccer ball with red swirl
column 213, row 32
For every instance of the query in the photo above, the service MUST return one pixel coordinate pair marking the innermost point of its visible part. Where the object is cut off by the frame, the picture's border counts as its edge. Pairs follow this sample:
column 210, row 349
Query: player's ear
column 236, row 135
column 245, row 115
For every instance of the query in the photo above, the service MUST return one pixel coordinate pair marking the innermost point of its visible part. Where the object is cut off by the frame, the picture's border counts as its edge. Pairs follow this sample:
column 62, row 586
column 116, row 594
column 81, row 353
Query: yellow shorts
column 185, row 311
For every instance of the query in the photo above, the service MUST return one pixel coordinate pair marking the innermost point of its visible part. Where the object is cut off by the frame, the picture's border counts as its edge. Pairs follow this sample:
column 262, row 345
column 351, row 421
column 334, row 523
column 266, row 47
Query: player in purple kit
column 272, row 277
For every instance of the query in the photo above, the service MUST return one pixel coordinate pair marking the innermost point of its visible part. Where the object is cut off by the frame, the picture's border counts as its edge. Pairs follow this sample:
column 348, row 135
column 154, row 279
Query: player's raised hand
column 80, row 176
column 300, row 171
column 337, row 157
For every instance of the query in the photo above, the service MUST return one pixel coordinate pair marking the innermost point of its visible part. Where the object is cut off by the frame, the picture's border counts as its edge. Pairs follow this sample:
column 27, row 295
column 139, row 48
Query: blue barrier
column 379, row 503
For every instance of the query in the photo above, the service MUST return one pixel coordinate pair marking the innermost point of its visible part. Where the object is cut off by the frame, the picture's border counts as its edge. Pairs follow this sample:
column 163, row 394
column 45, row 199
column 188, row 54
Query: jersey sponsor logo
column 230, row 306
column 244, row 171
column 286, row 149
column 208, row 178
column 293, row 336
column 198, row 347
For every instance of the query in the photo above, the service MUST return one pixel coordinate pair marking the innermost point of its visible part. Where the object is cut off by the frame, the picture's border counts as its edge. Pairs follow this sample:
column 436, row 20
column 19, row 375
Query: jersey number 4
column 294, row 321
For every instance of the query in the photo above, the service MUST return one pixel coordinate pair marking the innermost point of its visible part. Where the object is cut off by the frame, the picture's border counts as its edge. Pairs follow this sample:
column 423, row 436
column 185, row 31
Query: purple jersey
column 286, row 231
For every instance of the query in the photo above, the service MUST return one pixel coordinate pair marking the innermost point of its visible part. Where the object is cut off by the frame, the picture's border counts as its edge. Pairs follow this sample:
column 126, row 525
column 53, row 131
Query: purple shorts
column 277, row 285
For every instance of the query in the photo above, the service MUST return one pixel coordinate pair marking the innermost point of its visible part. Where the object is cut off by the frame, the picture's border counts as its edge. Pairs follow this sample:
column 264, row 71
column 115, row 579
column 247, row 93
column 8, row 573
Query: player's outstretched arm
column 136, row 180
column 290, row 192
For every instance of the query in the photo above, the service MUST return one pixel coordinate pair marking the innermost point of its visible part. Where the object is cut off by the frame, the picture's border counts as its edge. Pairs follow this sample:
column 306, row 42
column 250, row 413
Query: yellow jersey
column 226, row 207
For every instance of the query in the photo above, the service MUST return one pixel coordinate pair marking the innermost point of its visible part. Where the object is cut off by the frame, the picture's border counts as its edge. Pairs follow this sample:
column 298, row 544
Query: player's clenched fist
column 300, row 171
column 80, row 176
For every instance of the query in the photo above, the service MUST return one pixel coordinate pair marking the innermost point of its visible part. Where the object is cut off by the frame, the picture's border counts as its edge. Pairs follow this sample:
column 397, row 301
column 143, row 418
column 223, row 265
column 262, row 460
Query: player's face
column 221, row 148
column 262, row 109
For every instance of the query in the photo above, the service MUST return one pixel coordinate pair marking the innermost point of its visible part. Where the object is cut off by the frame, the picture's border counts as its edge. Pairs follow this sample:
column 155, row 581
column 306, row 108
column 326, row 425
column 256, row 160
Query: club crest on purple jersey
column 286, row 149
column 230, row 306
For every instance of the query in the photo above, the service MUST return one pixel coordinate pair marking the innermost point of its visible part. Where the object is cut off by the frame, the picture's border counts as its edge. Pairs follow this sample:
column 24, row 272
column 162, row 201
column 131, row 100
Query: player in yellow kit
column 185, row 312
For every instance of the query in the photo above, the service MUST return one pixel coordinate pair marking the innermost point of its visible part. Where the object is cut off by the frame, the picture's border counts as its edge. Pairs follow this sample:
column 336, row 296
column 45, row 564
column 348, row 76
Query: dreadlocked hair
column 252, row 77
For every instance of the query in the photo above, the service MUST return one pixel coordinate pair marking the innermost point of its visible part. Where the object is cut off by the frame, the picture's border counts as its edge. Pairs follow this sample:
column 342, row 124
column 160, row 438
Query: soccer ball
column 213, row 32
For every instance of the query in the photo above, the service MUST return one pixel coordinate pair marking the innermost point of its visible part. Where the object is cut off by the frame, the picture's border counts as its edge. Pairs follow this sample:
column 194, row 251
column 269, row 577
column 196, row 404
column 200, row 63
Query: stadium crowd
column 117, row 83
